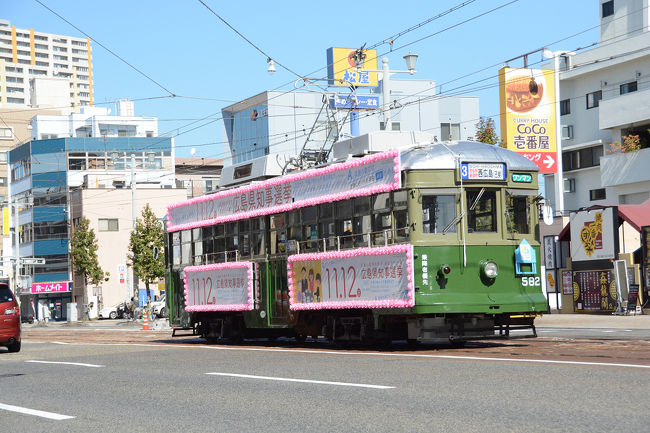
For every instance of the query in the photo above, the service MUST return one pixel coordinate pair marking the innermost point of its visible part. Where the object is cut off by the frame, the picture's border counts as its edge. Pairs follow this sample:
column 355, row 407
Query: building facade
column 198, row 176
column 604, row 98
column 279, row 125
column 44, row 175
column 43, row 69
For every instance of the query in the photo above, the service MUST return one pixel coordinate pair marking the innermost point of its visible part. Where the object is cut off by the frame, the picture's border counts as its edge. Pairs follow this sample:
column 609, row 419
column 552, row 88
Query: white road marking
column 287, row 379
column 41, row 413
column 81, row 364
column 330, row 352
column 59, row 342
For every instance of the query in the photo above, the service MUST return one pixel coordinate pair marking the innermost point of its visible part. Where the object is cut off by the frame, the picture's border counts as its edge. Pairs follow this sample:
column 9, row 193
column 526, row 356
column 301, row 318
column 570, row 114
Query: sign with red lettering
column 219, row 287
column 362, row 278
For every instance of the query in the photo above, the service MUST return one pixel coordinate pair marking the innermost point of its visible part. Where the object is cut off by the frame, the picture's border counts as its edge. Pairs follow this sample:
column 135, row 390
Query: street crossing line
column 81, row 364
column 318, row 382
column 41, row 413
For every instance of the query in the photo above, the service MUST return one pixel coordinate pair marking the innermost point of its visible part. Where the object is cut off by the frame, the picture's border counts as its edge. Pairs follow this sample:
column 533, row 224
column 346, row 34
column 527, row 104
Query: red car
column 9, row 319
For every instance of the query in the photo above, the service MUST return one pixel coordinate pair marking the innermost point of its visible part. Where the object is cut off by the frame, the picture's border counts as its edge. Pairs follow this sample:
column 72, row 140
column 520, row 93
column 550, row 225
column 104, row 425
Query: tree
column 83, row 246
column 148, row 233
column 631, row 143
column 485, row 131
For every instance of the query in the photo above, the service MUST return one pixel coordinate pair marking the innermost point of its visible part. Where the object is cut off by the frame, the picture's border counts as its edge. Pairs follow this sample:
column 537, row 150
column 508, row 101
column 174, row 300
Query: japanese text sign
column 52, row 287
column 219, row 287
column 341, row 70
column 527, row 98
column 362, row 278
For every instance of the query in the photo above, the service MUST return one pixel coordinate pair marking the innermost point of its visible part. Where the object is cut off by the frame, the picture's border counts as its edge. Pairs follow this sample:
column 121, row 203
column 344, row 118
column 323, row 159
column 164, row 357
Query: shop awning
column 637, row 215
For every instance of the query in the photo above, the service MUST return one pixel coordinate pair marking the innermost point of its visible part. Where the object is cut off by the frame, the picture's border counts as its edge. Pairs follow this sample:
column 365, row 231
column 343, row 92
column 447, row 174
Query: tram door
column 278, row 292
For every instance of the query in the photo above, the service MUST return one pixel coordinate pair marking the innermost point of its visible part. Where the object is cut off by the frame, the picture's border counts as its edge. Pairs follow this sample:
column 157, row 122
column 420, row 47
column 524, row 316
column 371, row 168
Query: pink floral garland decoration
column 291, row 206
column 220, row 307
column 390, row 303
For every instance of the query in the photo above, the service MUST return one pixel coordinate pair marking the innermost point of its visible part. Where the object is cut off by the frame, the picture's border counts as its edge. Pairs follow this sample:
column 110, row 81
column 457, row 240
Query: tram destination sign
column 482, row 171
column 219, row 287
column 362, row 278
column 522, row 177
column 356, row 178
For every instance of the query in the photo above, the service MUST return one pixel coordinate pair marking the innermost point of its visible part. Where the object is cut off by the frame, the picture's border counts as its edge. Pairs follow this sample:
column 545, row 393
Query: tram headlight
column 490, row 269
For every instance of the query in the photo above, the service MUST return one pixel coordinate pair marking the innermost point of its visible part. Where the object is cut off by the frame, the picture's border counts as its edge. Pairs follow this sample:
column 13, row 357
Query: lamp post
column 411, row 60
column 559, row 175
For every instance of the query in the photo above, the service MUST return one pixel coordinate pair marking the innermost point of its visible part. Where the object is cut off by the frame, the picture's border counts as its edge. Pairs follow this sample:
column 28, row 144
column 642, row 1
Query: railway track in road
column 556, row 349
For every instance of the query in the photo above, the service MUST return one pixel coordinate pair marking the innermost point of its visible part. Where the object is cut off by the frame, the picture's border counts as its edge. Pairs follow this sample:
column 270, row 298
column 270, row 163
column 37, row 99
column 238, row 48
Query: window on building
column 565, row 107
column 597, row 194
column 395, row 126
column 6, row 133
column 582, row 158
column 628, row 87
column 450, row 131
column 108, row 225
column 593, row 99
column 608, row 8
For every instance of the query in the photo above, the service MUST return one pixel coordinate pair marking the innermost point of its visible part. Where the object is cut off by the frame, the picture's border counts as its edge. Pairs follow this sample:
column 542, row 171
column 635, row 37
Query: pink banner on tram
column 361, row 278
column 360, row 177
column 219, row 287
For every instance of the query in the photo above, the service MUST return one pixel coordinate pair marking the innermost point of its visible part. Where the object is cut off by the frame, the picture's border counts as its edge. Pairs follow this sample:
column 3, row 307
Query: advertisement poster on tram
column 594, row 291
column 527, row 98
column 219, row 287
column 362, row 278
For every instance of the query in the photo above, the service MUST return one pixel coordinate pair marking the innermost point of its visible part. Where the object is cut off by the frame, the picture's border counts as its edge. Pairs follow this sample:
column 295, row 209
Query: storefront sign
column 478, row 171
column 52, row 287
column 363, row 176
column 362, row 278
column 592, row 235
column 527, row 99
column 219, row 287
column 567, row 283
column 522, row 178
column 358, row 102
column 594, row 290
column 342, row 71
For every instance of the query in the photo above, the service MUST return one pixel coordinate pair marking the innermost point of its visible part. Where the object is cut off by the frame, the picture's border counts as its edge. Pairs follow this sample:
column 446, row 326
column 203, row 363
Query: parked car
column 9, row 319
column 108, row 312
column 159, row 308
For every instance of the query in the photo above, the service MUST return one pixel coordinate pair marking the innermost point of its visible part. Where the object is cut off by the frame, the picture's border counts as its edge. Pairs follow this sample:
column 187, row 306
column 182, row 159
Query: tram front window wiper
column 477, row 199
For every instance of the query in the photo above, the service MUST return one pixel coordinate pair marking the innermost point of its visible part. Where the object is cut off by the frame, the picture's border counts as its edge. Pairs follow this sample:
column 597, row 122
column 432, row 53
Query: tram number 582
column 530, row 281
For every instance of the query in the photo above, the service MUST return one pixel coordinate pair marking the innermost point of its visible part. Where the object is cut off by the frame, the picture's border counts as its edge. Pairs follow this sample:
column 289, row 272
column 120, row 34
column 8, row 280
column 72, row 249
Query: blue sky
column 187, row 50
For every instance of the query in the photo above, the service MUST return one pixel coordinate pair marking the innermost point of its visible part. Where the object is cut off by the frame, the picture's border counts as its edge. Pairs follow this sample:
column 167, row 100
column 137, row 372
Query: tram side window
column 382, row 221
column 257, row 236
column 295, row 229
column 401, row 216
column 517, row 213
column 482, row 210
column 327, row 228
column 219, row 243
column 344, row 223
column 244, row 238
column 176, row 248
column 208, row 242
column 232, row 241
column 310, row 228
column 278, row 234
column 361, row 222
column 438, row 211
column 198, row 245
column 186, row 247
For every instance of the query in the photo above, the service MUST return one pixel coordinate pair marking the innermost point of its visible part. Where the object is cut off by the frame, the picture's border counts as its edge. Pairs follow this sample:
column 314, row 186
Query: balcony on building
column 625, row 168
column 623, row 110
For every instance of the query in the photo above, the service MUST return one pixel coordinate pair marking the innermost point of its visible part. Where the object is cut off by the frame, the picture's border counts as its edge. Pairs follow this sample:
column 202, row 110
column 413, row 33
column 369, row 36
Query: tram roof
column 447, row 155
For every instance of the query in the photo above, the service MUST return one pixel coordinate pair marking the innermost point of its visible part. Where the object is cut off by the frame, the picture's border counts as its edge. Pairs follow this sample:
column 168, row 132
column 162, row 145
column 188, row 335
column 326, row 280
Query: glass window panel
column 437, row 212
column 483, row 216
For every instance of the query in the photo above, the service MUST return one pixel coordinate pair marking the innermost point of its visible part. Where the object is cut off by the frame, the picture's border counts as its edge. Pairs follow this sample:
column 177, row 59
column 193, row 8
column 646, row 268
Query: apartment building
column 43, row 69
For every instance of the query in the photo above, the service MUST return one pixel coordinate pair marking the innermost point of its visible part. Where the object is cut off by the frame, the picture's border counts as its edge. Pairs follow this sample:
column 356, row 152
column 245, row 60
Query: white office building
column 605, row 96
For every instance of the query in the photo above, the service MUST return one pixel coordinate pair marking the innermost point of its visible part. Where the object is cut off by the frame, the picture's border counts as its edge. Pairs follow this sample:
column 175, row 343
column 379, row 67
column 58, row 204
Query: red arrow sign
column 544, row 160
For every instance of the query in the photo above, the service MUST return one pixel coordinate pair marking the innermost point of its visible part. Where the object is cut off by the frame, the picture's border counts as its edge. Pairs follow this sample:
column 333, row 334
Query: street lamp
column 410, row 59
column 559, row 182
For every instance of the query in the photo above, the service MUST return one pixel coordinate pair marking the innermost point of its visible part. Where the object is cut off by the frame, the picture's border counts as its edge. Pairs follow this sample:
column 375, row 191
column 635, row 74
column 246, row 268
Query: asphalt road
column 158, row 386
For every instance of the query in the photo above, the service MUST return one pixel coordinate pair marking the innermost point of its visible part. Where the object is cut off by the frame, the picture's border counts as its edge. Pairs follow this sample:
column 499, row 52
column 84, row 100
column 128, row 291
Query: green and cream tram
column 428, row 241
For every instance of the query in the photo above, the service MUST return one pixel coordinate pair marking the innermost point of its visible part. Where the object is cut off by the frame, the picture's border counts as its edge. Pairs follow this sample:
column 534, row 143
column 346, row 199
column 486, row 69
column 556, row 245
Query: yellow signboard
column 5, row 221
column 341, row 70
column 527, row 99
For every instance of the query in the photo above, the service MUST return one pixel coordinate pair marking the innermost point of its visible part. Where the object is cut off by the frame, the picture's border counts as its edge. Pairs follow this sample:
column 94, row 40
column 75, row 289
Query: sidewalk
column 557, row 320
column 155, row 325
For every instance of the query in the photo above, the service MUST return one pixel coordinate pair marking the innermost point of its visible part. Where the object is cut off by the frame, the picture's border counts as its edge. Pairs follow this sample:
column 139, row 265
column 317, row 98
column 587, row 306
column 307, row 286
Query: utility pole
column 134, row 216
